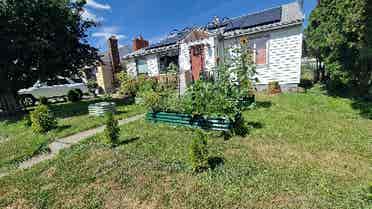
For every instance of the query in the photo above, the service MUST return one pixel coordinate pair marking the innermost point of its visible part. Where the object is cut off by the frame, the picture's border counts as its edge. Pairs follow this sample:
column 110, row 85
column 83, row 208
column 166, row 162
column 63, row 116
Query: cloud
column 88, row 15
column 105, row 33
column 95, row 5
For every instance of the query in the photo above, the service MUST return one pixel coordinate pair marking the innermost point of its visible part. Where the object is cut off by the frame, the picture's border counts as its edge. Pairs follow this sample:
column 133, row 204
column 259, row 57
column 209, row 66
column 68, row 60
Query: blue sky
column 154, row 19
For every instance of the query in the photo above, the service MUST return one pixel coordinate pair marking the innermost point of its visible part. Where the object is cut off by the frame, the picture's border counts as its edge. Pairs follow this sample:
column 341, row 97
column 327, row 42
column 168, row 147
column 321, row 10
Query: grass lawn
column 303, row 151
column 18, row 142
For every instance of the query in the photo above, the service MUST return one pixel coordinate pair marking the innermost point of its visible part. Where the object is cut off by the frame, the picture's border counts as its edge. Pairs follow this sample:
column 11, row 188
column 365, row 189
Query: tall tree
column 339, row 34
column 40, row 39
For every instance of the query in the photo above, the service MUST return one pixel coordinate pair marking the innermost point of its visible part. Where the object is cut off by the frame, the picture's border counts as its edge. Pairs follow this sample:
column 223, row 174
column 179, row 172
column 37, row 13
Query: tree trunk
column 9, row 104
column 317, row 71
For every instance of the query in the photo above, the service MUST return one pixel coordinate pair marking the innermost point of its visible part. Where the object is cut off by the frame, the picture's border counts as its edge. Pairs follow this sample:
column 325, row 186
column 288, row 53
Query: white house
column 274, row 34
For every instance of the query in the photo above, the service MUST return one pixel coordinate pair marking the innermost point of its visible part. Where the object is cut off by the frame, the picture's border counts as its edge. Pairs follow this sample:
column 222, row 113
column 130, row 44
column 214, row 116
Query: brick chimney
column 113, row 52
column 139, row 43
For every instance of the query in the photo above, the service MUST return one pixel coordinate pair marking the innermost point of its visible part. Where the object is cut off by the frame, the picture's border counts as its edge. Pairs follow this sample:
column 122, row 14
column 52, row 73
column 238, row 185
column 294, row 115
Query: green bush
column 112, row 130
column 128, row 86
column 240, row 127
column 198, row 152
column 27, row 121
column 369, row 194
column 92, row 86
column 42, row 119
column 152, row 100
column 74, row 95
column 43, row 101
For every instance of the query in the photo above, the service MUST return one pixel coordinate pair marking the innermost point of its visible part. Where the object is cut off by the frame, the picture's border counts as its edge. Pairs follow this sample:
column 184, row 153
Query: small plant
column 128, row 86
column 27, row 121
column 274, row 88
column 42, row 119
column 92, row 86
column 107, row 98
column 369, row 194
column 112, row 130
column 240, row 126
column 74, row 95
column 198, row 152
column 43, row 101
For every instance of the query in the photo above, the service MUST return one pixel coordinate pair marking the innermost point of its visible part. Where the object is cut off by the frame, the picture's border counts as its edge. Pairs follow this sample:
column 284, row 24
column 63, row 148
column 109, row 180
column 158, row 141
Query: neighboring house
column 274, row 34
column 110, row 64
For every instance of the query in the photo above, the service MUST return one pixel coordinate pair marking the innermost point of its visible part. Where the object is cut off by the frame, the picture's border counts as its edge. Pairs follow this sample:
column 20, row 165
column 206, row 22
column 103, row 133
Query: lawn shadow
column 128, row 141
column 62, row 128
column 361, row 103
column 255, row 125
column 68, row 110
column 215, row 162
column 306, row 83
column 364, row 107
column 264, row 104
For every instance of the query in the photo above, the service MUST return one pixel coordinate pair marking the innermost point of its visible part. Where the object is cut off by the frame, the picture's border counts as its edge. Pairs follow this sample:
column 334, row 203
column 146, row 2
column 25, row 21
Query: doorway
column 197, row 61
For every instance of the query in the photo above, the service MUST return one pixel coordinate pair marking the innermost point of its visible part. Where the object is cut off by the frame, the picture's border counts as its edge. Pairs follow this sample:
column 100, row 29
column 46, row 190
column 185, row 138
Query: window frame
column 147, row 66
column 254, row 49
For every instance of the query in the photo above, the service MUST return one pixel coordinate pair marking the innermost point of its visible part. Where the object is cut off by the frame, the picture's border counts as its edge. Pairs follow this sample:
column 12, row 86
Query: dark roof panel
column 170, row 40
column 252, row 20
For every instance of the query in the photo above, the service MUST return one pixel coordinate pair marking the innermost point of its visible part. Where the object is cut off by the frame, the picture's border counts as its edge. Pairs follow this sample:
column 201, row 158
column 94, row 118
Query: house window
column 260, row 50
column 142, row 67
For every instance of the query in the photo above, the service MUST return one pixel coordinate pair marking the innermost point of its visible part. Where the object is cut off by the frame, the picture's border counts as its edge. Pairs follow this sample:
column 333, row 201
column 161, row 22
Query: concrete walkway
column 67, row 142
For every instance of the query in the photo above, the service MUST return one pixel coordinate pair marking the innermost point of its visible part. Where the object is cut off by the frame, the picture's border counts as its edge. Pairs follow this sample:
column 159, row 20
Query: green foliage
column 112, row 130
column 152, row 100
column 240, row 127
column 42, row 119
column 92, row 86
column 43, row 101
column 133, row 86
column 217, row 98
column 74, row 95
column 41, row 29
column 198, row 152
column 339, row 35
column 172, row 68
column 369, row 194
column 27, row 121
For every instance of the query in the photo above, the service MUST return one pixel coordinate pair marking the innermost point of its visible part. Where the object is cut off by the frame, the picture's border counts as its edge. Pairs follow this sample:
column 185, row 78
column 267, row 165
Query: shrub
column 27, row 121
column 128, row 86
column 92, row 86
column 42, row 119
column 198, row 152
column 240, row 127
column 152, row 100
column 43, row 101
column 112, row 130
column 274, row 88
column 74, row 95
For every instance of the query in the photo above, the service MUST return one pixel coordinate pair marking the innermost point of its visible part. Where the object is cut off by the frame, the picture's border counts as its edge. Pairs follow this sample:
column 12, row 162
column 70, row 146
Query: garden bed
column 207, row 123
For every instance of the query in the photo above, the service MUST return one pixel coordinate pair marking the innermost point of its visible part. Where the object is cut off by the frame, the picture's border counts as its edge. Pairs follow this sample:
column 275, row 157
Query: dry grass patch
column 344, row 165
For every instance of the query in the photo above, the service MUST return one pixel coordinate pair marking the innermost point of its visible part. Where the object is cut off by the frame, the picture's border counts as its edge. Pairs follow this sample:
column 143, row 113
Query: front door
column 197, row 61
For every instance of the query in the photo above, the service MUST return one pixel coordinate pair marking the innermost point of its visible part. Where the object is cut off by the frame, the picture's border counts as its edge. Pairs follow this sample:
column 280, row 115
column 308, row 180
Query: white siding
column 284, row 55
column 285, row 52
column 132, row 67
column 153, row 65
